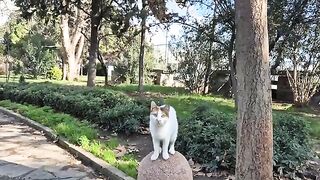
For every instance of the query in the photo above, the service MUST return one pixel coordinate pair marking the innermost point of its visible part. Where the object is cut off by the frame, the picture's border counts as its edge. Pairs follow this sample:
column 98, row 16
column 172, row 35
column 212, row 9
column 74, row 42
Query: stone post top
column 175, row 168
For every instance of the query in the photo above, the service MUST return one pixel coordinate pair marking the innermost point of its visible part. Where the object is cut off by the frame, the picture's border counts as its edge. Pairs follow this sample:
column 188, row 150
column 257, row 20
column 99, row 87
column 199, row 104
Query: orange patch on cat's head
column 154, row 107
column 165, row 109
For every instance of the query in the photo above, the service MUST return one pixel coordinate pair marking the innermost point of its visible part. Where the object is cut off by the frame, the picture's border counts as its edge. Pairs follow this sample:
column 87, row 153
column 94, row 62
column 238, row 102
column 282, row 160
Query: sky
column 158, row 35
column 6, row 6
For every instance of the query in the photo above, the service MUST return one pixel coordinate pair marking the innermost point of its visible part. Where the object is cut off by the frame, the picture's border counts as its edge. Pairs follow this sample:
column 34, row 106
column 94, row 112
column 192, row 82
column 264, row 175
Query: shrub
column 125, row 118
column 22, row 79
column 109, row 108
column 209, row 138
column 55, row 73
column 291, row 143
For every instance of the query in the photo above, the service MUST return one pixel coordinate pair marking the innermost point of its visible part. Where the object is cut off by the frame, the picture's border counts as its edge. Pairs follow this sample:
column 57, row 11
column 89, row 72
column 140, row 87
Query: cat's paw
column 165, row 156
column 154, row 156
column 172, row 151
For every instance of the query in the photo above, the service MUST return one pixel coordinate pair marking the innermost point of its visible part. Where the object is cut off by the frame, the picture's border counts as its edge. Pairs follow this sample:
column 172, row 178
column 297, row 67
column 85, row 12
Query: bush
column 22, row 79
column 291, row 143
column 209, row 138
column 55, row 73
column 108, row 108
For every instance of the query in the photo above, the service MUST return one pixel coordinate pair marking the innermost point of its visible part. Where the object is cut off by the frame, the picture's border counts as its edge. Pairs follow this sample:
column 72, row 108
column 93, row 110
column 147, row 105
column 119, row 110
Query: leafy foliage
column 30, row 43
column 55, row 73
column 291, row 143
column 111, row 109
column 209, row 137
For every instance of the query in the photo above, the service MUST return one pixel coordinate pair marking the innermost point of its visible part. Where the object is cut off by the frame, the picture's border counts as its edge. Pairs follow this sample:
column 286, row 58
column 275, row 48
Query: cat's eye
column 163, row 115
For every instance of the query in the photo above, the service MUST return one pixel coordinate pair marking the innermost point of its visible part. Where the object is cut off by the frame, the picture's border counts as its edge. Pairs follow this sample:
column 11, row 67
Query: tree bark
column 94, row 47
column 254, row 116
column 78, row 56
column 232, row 64
column 142, row 44
column 208, row 70
column 72, row 47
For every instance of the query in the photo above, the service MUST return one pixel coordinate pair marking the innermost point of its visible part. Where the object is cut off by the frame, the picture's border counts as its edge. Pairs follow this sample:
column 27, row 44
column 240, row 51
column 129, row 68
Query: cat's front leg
column 165, row 146
column 172, row 142
column 156, row 149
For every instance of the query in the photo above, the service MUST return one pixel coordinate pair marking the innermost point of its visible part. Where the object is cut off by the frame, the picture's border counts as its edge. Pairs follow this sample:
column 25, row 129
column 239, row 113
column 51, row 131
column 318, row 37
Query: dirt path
column 26, row 154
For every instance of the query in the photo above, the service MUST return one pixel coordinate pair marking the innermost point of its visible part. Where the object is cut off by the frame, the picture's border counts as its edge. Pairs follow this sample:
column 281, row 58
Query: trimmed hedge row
column 111, row 109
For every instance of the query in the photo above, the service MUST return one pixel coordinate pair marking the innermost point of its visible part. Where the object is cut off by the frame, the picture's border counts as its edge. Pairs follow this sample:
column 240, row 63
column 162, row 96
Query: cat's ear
column 153, row 105
column 166, row 109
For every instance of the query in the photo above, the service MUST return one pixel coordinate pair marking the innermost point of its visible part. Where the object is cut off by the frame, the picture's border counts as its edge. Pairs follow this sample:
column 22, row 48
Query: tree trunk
column 72, row 69
column 64, row 71
column 208, row 70
column 254, row 116
column 106, row 79
column 142, row 44
column 78, row 56
column 72, row 47
column 232, row 64
column 94, row 47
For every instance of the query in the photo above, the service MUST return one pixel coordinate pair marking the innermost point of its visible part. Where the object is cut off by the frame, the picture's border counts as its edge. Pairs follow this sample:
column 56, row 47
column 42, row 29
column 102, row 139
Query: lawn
column 127, row 88
column 185, row 104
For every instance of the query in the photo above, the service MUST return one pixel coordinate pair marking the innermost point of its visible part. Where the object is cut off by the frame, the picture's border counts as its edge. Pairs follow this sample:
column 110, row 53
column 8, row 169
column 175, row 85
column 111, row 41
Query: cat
column 163, row 128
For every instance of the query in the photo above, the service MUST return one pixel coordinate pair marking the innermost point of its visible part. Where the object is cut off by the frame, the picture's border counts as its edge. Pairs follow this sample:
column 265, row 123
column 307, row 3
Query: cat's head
column 159, row 114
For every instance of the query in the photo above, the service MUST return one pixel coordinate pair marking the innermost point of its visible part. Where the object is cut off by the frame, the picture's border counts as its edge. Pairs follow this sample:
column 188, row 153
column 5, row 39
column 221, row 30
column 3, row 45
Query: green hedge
column 111, row 109
column 209, row 138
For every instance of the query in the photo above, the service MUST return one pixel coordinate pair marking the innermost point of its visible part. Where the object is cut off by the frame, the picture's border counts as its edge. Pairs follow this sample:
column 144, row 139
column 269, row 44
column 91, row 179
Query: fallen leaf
column 120, row 151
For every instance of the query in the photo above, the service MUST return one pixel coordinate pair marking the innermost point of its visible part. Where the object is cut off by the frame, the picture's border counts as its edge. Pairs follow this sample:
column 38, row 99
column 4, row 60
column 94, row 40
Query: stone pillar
column 175, row 168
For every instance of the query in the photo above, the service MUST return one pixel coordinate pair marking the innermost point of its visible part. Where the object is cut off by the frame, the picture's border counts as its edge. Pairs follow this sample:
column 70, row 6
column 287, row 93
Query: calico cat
column 164, row 129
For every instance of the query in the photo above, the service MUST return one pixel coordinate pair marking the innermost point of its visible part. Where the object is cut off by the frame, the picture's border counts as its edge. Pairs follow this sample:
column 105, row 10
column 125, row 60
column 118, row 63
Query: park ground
column 139, row 145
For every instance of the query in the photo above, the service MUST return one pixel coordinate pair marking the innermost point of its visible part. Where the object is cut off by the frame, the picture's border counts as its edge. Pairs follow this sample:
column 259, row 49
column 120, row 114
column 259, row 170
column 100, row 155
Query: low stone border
column 86, row 157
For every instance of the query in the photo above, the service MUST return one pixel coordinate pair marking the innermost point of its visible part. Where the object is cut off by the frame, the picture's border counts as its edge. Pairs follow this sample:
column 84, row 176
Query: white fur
column 163, row 130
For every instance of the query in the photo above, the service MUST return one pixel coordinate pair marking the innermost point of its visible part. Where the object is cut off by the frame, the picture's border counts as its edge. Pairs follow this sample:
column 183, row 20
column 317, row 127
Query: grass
column 127, row 88
column 164, row 90
column 185, row 104
column 78, row 133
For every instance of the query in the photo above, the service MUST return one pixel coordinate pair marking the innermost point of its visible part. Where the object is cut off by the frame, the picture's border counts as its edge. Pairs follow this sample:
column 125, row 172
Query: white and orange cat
column 164, row 129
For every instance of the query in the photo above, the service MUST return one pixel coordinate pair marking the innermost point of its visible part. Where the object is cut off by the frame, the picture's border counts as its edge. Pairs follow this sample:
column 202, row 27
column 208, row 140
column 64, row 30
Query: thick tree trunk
column 72, row 47
column 64, row 71
column 142, row 44
column 254, row 117
column 72, row 69
column 94, row 46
